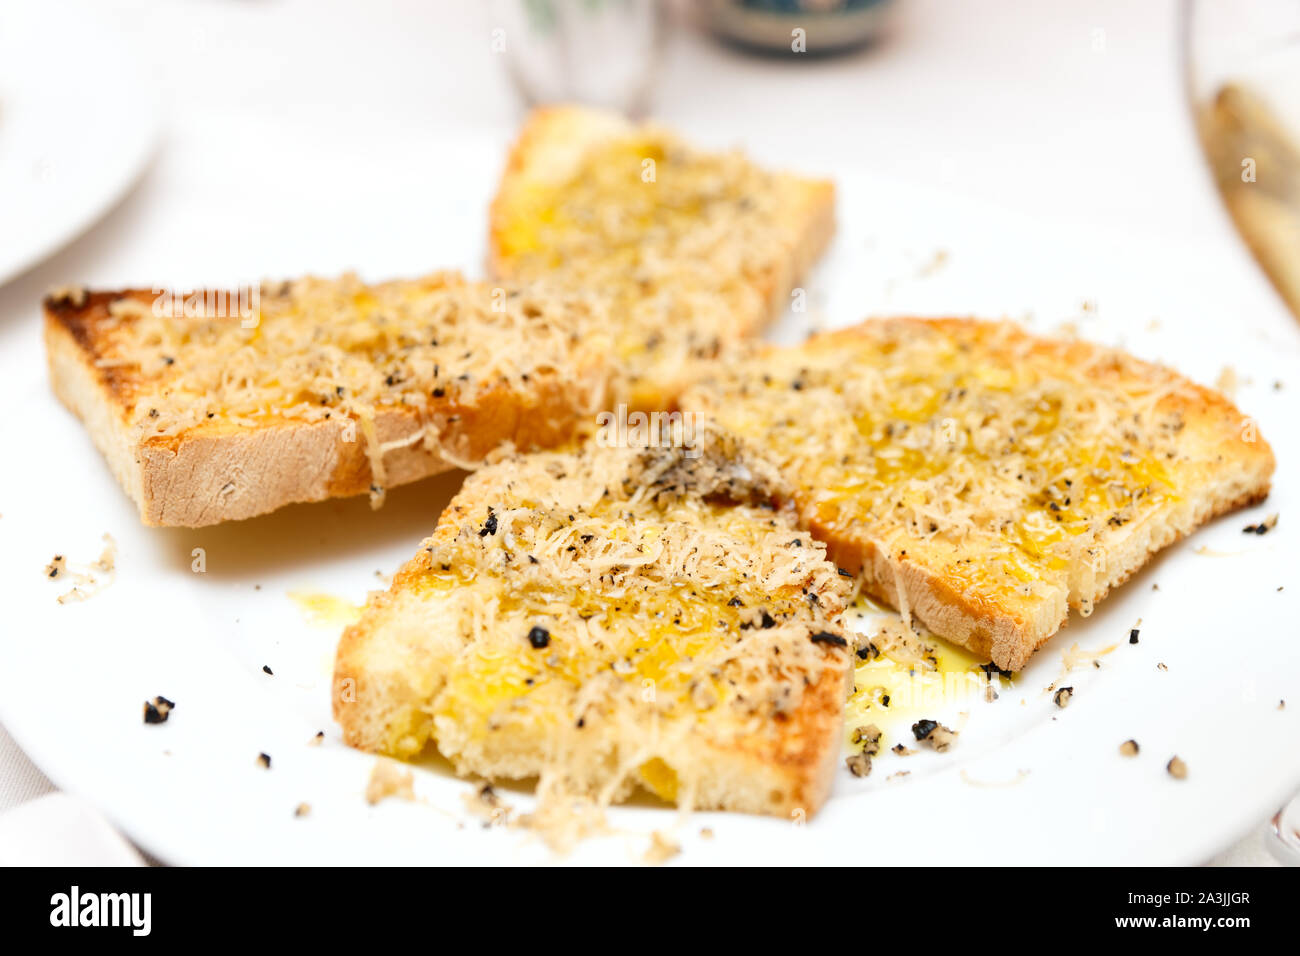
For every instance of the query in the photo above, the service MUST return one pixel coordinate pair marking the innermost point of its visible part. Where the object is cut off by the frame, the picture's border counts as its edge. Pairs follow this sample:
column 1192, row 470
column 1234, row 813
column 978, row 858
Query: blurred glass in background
column 1242, row 60
column 597, row 52
column 1242, row 63
column 607, row 52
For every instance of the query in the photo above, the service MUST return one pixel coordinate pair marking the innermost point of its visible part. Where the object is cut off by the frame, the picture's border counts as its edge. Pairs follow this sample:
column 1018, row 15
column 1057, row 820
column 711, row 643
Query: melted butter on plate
column 895, row 689
column 325, row 610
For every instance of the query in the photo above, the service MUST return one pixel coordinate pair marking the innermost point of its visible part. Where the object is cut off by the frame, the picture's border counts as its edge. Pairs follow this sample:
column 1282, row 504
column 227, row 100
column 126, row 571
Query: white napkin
column 60, row 830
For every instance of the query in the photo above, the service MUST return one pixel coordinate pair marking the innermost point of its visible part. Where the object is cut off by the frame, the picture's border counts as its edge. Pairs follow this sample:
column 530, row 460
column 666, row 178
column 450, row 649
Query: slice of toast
column 212, row 408
column 985, row 480
column 691, row 251
column 607, row 620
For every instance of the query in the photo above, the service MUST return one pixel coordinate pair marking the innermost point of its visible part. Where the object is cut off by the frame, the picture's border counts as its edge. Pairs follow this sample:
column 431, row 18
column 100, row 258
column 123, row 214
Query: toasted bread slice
column 609, row 619
column 211, row 409
column 691, row 251
column 985, row 480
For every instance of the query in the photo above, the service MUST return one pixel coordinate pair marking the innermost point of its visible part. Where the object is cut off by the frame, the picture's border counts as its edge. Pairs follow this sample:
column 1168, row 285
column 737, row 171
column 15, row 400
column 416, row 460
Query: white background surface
column 1006, row 102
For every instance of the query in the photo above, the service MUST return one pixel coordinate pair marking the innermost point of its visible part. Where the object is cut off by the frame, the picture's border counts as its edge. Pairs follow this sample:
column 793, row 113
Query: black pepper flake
column 826, row 637
column 1062, row 697
column 439, row 392
column 1133, row 636
column 266, row 669
column 734, row 602
column 1264, row 527
column 157, row 711
column 539, row 637
column 843, row 573
column 924, row 728
column 766, row 620
column 489, row 526
column 990, row 669
column 264, row 761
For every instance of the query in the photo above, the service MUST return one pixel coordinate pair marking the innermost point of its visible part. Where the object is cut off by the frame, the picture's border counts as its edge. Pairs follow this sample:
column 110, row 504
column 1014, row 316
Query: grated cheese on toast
column 614, row 619
column 433, row 355
column 690, row 250
column 984, row 480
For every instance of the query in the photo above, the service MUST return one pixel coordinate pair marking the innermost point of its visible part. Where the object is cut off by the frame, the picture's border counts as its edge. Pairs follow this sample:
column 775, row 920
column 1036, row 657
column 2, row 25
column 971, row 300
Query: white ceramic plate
column 1026, row 783
column 68, row 148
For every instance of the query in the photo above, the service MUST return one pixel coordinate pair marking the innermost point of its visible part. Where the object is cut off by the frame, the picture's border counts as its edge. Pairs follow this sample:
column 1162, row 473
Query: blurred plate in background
column 68, row 149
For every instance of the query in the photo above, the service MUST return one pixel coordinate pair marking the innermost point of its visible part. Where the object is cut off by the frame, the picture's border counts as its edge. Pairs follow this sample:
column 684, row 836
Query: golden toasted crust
column 986, row 480
column 689, row 291
column 744, row 710
column 224, row 468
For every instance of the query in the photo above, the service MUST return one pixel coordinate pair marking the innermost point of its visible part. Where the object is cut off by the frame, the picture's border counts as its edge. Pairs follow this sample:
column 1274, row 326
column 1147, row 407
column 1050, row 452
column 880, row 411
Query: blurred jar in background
column 596, row 52
column 798, row 26
column 1243, row 80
